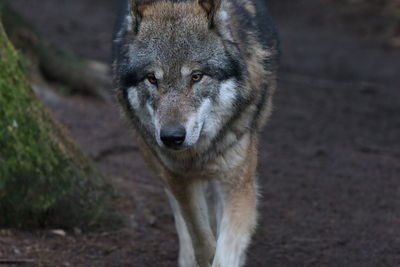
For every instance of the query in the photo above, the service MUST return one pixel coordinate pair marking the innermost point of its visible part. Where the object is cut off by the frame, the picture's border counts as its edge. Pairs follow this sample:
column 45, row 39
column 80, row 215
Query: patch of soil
column 374, row 20
column 329, row 158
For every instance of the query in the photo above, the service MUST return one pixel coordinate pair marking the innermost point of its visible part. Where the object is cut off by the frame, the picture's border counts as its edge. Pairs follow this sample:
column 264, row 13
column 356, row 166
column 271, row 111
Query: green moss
column 45, row 180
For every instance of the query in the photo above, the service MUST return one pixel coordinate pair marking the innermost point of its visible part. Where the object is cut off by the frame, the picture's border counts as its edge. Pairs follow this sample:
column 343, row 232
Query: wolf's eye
column 197, row 76
column 151, row 78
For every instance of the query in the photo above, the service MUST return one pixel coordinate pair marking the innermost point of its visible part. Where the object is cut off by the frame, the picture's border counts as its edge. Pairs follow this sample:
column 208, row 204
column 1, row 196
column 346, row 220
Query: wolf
column 196, row 80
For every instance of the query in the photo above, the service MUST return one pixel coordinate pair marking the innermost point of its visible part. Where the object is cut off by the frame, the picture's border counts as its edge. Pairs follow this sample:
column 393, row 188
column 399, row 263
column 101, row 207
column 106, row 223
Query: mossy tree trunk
column 45, row 179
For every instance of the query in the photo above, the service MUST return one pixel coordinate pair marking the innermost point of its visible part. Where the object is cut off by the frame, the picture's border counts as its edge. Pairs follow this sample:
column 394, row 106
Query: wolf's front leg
column 237, row 225
column 238, row 188
column 186, row 254
column 188, row 196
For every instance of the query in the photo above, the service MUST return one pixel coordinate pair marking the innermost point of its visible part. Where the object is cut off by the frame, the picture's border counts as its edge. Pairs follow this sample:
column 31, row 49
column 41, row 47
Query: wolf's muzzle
column 173, row 136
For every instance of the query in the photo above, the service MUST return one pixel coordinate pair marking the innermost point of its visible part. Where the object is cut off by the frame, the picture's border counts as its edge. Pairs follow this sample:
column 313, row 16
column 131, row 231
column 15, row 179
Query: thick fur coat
column 196, row 79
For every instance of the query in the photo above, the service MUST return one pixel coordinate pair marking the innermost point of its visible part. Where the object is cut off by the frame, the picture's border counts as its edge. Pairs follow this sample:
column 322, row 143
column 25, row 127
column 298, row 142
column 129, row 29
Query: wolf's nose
column 172, row 135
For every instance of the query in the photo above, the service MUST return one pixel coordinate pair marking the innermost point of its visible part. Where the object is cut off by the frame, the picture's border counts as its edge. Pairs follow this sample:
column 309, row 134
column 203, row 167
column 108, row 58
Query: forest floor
column 329, row 169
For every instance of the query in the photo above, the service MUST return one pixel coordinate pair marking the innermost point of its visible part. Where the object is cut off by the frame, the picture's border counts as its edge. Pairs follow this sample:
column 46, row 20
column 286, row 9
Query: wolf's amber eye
column 197, row 76
column 151, row 78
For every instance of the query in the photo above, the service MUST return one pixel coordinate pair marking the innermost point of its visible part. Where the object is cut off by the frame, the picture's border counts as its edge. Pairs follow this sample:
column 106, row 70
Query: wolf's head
column 179, row 71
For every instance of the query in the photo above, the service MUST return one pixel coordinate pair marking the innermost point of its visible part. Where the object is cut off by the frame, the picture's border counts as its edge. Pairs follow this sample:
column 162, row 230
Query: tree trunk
column 45, row 179
column 76, row 75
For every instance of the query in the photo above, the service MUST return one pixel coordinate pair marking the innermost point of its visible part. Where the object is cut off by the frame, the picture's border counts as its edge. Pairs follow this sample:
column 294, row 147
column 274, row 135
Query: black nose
column 172, row 135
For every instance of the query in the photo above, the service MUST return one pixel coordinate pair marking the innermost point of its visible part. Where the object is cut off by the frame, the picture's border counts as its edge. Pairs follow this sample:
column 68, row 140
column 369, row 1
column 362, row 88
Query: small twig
column 114, row 150
column 368, row 148
column 332, row 83
column 14, row 261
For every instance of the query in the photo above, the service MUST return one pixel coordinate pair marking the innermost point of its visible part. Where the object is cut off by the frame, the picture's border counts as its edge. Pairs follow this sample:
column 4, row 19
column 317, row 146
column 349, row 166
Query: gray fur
column 170, row 41
column 233, row 43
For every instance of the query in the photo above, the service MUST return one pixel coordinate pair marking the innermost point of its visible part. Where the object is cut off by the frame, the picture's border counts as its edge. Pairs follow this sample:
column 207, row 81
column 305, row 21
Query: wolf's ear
column 211, row 7
column 136, row 8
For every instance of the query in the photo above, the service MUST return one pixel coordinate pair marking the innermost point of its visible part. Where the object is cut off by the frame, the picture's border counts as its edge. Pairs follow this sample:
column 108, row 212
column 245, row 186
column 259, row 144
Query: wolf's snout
column 173, row 135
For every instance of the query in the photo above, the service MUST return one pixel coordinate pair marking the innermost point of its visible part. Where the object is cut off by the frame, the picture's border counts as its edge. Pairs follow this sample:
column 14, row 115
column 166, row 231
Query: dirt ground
column 329, row 159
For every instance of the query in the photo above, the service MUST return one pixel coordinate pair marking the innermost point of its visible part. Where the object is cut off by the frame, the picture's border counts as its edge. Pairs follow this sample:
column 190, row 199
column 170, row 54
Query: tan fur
column 211, row 185
column 236, row 177
column 165, row 9
column 249, row 7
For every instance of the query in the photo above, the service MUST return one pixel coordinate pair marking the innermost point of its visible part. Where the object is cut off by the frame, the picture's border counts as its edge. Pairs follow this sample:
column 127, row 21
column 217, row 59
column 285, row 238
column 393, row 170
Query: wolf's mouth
column 179, row 138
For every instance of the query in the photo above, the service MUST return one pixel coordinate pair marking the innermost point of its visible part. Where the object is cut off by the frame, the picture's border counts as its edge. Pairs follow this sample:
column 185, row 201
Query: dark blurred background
column 318, row 36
